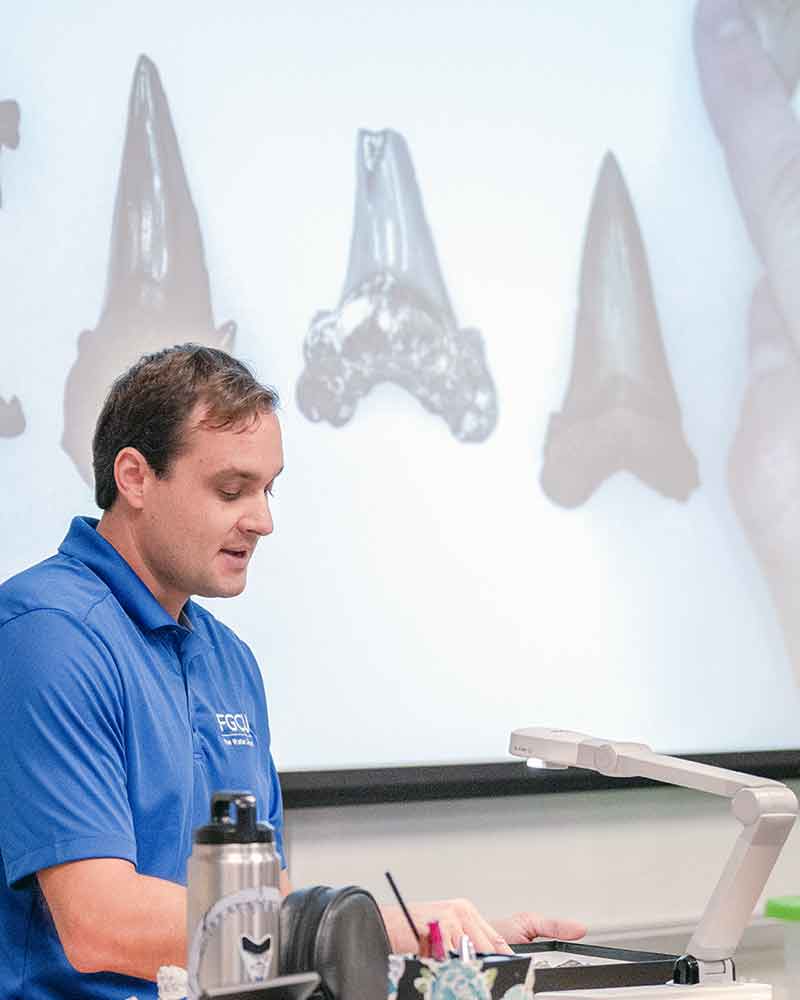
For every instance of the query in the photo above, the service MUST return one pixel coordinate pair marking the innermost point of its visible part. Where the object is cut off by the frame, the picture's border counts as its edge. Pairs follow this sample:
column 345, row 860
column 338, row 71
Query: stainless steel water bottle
column 233, row 898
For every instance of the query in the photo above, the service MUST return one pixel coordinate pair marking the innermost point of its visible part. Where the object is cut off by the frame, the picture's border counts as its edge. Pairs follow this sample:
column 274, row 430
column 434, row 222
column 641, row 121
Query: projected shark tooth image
column 157, row 287
column 9, row 128
column 12, row 419
column 778, row 25
column 620, row 411
column 764, row 463
column 394, row 321
column 9, row 124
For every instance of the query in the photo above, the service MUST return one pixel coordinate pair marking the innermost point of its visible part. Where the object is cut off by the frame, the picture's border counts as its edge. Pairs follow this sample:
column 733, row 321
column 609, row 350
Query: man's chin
column 224, row 588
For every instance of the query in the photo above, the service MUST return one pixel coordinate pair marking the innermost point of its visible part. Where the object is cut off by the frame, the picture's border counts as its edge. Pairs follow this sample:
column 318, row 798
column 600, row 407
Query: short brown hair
column 148, row 405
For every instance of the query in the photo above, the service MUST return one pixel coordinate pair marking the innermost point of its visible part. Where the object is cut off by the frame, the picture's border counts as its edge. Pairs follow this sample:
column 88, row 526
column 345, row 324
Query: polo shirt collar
column 85, row 543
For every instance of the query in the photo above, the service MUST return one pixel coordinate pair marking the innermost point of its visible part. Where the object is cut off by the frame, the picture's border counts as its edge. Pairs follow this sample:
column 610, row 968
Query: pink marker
column 437, row 944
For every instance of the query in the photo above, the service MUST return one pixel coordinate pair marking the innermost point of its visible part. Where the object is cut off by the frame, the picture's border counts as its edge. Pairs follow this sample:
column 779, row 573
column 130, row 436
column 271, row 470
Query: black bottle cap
column 223, row 830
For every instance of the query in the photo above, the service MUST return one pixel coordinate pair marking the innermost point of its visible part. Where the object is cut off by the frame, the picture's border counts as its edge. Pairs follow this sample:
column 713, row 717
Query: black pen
column 404, row 908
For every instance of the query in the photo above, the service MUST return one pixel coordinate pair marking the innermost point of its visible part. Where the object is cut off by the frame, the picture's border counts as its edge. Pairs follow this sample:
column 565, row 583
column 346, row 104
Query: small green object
column 783, row 907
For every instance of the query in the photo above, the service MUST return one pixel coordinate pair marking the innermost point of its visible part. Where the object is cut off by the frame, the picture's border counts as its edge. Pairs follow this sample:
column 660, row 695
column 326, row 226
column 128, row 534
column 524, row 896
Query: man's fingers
column 749, row 107
column 562, row 930
column 480, row 932
column 523, row 927
column 451, row 931
column 487, row 939
column 458, row 916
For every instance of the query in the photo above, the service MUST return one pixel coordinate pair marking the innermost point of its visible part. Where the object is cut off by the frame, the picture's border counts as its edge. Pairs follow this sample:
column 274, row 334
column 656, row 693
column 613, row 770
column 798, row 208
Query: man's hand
column 460, row 916
column 520, row 928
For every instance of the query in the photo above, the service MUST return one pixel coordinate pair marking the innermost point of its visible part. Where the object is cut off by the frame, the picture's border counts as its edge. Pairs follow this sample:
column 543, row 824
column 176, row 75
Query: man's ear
column 132, row 475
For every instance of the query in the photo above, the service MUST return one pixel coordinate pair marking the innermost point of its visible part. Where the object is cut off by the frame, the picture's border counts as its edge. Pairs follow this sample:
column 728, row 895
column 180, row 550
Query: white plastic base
column 733, row 991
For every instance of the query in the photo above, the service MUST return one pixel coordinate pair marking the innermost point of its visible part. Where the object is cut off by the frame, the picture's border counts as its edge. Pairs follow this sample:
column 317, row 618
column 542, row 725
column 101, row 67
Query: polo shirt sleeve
column 62, row 768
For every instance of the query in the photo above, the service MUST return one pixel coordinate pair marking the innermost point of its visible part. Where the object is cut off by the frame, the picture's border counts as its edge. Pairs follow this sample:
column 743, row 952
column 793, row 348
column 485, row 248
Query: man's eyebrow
column 232, row 472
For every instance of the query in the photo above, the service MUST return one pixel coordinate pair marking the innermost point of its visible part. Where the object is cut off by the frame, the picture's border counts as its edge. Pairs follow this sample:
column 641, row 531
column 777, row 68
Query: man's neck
column 118, row 532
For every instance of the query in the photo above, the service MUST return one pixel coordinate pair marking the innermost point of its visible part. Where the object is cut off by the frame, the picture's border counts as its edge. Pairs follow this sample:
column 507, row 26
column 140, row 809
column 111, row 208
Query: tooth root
column 394, row 322
column 390, row 231
column 9, row 128
column 12, row 419
column 157, row 288
column 620, row 410
column 764, row 464
column 778, row 25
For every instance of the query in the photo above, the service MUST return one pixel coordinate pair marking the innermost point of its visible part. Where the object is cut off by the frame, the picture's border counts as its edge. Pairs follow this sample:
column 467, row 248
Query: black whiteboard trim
column 421, row 783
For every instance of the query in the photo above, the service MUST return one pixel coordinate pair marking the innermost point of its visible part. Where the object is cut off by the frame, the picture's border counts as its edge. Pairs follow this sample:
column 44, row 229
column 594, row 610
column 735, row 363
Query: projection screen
column 516, row 275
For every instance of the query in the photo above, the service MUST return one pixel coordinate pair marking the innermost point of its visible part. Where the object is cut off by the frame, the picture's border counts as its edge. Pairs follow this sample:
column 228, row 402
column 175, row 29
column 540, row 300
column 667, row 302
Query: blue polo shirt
column 118, row 725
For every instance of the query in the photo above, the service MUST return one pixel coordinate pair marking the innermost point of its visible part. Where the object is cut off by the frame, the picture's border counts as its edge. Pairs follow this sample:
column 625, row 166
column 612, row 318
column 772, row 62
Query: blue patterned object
column 397, row 966
column 455, row 979
column 519, row 992
column 493, row 977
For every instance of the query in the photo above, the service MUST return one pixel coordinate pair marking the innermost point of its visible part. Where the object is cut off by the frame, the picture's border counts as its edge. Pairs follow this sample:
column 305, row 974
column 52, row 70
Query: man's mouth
column 241, row 554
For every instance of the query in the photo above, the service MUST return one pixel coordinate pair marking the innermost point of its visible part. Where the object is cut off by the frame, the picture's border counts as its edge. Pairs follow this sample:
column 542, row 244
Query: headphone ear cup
column 299, row 917
column 351, row 946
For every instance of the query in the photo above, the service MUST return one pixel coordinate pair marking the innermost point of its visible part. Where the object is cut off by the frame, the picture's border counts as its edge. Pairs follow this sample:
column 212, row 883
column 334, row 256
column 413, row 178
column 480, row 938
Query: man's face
column 199, row 524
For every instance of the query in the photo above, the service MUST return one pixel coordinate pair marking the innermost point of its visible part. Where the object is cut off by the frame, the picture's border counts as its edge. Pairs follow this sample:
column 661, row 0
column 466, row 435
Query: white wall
column 619, row 860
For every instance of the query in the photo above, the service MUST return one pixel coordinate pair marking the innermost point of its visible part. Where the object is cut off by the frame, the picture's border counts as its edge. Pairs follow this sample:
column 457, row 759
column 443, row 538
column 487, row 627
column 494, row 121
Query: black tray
column 627, row 968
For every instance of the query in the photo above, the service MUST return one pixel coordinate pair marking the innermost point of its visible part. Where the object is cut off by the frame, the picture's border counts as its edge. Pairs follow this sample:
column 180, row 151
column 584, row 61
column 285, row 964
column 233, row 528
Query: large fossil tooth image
column 12, row 419
column 620, row 410
column 764, row 462
column 778, row 25
column 9, row 128
column 157, row 289
column 394, row 321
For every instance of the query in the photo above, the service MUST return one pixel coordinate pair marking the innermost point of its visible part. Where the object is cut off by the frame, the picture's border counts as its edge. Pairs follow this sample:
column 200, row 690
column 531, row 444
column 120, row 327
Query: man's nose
column 258, row 520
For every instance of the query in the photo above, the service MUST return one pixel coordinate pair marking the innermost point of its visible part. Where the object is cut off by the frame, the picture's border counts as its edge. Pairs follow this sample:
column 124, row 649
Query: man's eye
column 229, row 496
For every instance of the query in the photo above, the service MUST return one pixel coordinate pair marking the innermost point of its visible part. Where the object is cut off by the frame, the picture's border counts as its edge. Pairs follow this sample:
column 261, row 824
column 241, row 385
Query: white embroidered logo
column 234, row 729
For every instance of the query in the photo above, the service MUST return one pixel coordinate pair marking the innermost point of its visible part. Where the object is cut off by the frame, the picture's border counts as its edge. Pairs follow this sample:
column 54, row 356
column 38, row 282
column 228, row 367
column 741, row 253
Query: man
column 115, row 681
